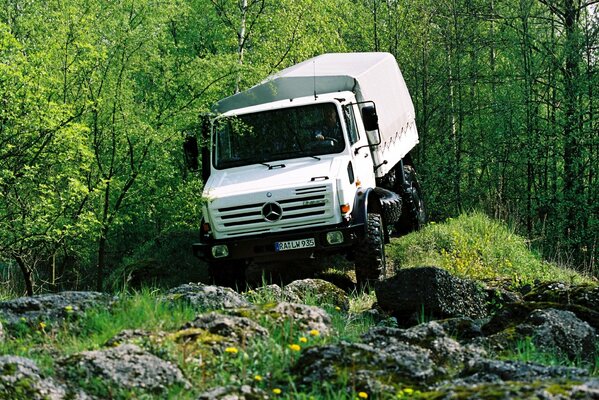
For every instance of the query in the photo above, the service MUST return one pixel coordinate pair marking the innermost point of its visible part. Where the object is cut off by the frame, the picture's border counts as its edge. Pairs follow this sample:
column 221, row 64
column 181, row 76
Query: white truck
column 312, row 161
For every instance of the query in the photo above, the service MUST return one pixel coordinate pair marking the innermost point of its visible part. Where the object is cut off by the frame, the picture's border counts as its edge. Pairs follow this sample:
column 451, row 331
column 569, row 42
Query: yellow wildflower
column 232, row 350
column 258, row 378
column 69, row 309
column 295, row 347
column 408, row 391
column 337, row 308
column 363, row 395
column 314, row 332
column 42, row 325
column 277, row 391
column 303, row 339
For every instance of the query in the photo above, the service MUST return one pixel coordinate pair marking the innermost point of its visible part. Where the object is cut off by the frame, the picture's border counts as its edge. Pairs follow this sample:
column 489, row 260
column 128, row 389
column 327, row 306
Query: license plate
column 295, row 244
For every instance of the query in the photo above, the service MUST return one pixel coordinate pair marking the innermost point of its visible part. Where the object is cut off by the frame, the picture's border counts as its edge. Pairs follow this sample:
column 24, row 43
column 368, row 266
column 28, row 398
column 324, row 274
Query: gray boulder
column 271, row 294
column 480, row 370
column 20, row 378
column 462, row 328
column 126, row 366
column 207, row 297
column 371, row 369
column 237, row 330
column 417, row 294
column 446, row 352
column 560, row 332
column 500, row 390
column 305, row 318
column 584, row 295
column 586, row 390
column 49, row 308
column 320, row 292
column 245, row 392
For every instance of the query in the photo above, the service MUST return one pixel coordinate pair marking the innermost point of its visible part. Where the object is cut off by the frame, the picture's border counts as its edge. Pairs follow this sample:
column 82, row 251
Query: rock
column 237, row 330
column 560, row 332
column 245, row 392
column 415, row 294
column 20, row 378
column 481, row 370
column 271, row 294
column 584, row 295
column 49, row 308
column 207, row 297
column 550, row 390
column 586, row 390
column 462, row 328
column 307, row 318
column 320, row 292
column 126, row 366
column 446, row 352
column 127, row 336
column 370, row 369
column 516, row 313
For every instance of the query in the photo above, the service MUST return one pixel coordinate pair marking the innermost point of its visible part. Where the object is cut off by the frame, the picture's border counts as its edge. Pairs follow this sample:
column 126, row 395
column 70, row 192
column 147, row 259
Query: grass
column 471, row 245
column 476, row 246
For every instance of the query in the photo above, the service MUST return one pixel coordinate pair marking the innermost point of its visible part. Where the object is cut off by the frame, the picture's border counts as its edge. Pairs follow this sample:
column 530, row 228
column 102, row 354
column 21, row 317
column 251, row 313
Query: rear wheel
column 413, row 214
column 370, row 260
column 228, row 273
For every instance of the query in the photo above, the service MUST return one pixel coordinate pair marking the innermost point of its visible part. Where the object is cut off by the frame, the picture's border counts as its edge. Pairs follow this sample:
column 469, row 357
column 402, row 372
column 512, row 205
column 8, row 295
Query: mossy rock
column 514, row 314
column 584, row 295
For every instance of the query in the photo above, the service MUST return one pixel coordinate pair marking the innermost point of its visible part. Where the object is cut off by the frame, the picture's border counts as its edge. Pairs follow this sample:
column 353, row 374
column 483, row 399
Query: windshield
column 306, row 131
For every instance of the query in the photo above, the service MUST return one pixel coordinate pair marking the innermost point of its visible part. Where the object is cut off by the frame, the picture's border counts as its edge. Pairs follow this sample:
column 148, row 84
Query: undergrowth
column 476, row 246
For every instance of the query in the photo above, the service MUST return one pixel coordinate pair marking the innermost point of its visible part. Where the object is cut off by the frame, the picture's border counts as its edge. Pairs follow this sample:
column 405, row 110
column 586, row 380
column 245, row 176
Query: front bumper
column 262, row 248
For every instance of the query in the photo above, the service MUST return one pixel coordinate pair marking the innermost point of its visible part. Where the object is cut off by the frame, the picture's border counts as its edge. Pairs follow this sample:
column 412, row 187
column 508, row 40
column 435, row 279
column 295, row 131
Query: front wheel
column 370, row 260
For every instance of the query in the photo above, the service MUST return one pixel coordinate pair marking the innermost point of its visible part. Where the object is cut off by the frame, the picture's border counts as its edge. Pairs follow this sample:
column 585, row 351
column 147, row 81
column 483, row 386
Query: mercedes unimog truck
column 313, row 161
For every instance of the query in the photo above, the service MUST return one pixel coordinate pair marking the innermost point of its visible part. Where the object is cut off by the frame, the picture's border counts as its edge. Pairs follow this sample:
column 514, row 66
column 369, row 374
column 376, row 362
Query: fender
column 364, row 201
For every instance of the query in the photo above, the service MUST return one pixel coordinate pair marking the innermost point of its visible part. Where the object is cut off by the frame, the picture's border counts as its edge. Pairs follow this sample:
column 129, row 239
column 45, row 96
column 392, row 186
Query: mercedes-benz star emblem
column 272, row 212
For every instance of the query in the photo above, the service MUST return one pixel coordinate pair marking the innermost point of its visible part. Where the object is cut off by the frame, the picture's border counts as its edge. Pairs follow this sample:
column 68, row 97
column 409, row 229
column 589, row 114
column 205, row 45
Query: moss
column 197, row 335
column 23, row 389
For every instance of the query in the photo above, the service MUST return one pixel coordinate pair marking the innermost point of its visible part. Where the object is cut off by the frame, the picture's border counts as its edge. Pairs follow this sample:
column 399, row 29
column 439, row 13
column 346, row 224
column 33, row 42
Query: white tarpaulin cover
column 371, row 76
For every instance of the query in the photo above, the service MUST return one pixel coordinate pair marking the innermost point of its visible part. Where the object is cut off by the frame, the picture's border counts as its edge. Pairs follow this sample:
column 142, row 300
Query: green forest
column 96, row 98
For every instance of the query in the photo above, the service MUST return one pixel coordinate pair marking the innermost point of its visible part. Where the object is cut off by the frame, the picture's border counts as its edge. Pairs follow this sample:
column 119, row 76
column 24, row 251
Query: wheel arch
column 365, row 201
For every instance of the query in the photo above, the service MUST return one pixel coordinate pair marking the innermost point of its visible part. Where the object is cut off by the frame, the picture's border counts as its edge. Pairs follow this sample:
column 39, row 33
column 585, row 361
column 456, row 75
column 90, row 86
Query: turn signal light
column 206, row 227
column 345, row 208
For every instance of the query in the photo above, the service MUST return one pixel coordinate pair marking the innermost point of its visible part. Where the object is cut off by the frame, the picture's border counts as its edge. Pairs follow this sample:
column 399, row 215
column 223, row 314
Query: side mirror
column 191, row 151
column 370, row 118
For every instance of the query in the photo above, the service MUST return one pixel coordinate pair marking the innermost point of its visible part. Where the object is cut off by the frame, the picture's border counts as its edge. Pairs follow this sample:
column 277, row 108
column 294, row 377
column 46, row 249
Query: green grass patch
column 476, row 246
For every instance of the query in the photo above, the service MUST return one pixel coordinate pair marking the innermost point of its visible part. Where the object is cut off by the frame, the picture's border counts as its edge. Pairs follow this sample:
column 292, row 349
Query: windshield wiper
column 273, row 166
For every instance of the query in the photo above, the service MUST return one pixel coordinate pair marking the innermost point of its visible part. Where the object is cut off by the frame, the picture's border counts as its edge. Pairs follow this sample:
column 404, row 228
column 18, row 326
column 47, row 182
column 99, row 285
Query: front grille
column 305, row 206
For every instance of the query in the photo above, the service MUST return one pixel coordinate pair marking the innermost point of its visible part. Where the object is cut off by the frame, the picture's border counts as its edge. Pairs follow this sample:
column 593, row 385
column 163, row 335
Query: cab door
column 362, row 164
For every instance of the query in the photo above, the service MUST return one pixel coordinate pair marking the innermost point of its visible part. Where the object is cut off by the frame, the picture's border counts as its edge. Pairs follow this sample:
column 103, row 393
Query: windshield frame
column 292, row 141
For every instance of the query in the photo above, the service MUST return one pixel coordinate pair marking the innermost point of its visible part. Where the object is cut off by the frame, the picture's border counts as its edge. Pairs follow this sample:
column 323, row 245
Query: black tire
column 228, row 273
column 391, row 205
column 413, row 214
column 370, row 261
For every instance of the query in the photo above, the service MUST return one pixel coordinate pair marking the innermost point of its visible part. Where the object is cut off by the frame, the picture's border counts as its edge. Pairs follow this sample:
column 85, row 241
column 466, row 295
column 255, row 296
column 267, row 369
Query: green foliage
column 473, row 245
column 95, row 98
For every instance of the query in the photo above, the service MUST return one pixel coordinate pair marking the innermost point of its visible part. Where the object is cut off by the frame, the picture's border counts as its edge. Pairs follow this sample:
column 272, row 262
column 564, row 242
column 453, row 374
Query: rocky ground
column 435, row 336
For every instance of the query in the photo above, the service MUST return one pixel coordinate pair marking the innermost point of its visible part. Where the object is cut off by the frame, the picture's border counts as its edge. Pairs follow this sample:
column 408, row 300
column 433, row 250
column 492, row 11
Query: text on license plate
column 295, row 244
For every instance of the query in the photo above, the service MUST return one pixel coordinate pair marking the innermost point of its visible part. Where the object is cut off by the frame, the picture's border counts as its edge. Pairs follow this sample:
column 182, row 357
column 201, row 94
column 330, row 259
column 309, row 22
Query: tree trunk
column 27, row 274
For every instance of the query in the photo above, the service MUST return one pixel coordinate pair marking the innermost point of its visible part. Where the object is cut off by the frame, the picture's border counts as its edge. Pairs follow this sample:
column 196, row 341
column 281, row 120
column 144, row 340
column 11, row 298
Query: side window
column 350, row 122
